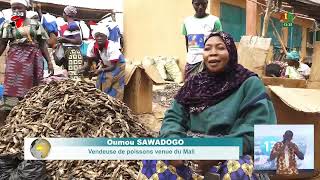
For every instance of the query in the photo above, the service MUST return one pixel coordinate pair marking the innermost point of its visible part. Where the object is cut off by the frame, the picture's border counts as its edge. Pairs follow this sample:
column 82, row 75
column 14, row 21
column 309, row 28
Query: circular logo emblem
column 40, row 148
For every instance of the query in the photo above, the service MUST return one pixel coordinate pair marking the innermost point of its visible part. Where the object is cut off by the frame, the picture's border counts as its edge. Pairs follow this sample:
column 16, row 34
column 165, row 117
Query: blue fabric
column 102, row 78
column 122, row 59
column 73, row 26
column 293, row 55
column 45, row 64
column 1, row 92
column 111, row 92
column 150, row 169
column 114, row 34
column 232, row 170
column 2, row 20
column 116, row 71
column 122, row 82
column 50, row 27
column 84, row 49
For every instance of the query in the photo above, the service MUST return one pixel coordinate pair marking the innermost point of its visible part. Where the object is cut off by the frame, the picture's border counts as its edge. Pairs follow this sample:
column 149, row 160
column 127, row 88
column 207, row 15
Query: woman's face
column 215, row 55
column 293, row 63
column 18, row 10
column 101, row 39
column 65, row 17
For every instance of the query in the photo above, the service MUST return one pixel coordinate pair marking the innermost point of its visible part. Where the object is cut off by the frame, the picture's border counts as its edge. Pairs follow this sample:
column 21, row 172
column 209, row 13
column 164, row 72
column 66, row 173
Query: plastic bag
column 58, row 55
column 35, row 170
column 12, row 167
column 173, row 70
column 8, row 164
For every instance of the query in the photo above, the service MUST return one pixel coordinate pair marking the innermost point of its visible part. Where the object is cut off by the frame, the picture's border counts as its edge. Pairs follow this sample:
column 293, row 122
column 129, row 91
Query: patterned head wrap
column 70, row 11
column 206, row 89
column 24, row 2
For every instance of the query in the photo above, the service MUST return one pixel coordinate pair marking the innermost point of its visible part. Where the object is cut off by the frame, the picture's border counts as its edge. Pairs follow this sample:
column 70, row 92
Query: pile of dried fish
column 165, row 96
column 73, row 109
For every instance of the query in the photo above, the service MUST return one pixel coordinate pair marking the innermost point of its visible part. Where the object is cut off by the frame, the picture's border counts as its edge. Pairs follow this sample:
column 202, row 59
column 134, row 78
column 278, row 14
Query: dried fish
column 165, row 96
column 73, row 109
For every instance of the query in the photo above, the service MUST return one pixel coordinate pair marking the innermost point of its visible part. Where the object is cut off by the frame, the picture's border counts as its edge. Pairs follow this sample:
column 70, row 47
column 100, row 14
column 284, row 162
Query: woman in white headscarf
column 111, row 63
column 24, row 63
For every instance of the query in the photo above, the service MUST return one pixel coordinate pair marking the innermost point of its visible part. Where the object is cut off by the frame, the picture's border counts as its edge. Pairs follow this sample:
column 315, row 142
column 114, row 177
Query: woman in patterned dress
column 24, row 63
column 224, row 100
column 71, row 40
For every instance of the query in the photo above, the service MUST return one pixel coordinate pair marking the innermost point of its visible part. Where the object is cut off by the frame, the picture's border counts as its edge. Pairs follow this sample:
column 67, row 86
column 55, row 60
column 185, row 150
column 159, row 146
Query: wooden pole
column 315, row 69
column 251, row 16
column 278, row 37
column 266, row 18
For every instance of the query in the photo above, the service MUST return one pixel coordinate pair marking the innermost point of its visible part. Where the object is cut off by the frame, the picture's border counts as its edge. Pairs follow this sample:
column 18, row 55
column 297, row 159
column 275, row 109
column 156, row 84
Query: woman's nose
column 212, row 52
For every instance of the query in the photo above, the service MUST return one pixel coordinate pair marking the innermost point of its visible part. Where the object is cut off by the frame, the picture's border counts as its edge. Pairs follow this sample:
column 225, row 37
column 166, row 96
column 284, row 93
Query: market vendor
column 295, row 68
column 24, row 62
column 110, row 63
column 224, row 100
column 196, row 29
column 70, row 41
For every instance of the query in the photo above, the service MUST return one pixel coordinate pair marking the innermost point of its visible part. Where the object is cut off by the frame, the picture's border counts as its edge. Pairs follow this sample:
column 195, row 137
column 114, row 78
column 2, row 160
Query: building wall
column 304, row 23
column 239, row 3
column 153, row 28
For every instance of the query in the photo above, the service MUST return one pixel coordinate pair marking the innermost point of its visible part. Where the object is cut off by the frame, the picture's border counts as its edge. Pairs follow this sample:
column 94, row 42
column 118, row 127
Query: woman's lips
column 214, row 62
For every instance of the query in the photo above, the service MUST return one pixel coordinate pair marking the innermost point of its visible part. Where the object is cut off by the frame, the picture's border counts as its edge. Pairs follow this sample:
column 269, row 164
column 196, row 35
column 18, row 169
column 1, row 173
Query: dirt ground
column 162, row 98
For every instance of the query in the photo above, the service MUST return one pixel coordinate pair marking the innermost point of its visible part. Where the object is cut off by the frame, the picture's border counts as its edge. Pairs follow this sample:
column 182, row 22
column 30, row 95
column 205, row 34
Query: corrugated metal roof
column 308, row 7
column 92, row 4
column 310, row 1
column 116, row 5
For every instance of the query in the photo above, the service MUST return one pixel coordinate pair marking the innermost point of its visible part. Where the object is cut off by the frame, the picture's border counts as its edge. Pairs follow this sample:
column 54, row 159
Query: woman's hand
column 61, row 39
column 202, row 167
column 50, row 68
column 97, row 71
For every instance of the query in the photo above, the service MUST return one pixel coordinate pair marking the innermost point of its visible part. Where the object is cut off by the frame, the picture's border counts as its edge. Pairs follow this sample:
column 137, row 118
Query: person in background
column 111, row 63
column 196, row 29
column 24, row 63
column 49, row 23
column 2, row 19
column 273, row 70
column 224, row 100
column 295, row 68
column 91, row 25
column 71, row 40
column 307, row 61
column 285, row 152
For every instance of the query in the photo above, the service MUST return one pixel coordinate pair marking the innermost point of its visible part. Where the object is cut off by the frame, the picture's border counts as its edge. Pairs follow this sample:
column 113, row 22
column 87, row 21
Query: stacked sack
column 167, row 67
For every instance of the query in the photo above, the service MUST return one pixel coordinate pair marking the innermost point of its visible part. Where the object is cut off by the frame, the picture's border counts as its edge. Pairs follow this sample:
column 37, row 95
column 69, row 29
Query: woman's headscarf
column 207, row 89
column 100, row 28
column 293, row 55
column 24, row 2
column 70, row 11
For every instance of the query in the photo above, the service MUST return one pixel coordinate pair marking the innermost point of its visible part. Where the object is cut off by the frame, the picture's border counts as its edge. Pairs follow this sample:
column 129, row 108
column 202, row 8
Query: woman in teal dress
column 225, row 100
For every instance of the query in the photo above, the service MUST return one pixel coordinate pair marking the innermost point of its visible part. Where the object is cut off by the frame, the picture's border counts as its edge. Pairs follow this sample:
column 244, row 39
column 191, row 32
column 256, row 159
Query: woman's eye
column 207, row 48
column 221, row 47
